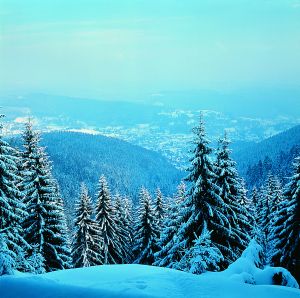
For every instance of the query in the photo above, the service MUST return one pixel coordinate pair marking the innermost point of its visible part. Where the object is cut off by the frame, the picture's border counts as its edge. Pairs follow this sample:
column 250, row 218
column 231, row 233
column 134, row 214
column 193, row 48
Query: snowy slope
column 134, row 281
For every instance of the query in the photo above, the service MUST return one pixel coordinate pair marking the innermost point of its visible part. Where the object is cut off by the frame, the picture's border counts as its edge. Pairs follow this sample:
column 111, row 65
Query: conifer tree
column 203, row 256
column 7, row 263
column 60, row 228
column 44, row 226
column 254, row 203
column 146, row 231
column 87, row 241
column 243, row 199
column 167, row 254
column 203, row 203
column 269, row 200
column 254, row 212
column 233, row 195
column 36, row 261
column 124, row 227
column 12, row 209
column 286, row 228
column 159, row 208
column 129, row 223
column 245, row 217
column 261, row 207
column 111, row 249
column 22, row 263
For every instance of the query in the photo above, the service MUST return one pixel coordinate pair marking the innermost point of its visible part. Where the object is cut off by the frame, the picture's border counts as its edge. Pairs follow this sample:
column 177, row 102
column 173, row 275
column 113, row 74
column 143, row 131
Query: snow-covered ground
column 134, row 281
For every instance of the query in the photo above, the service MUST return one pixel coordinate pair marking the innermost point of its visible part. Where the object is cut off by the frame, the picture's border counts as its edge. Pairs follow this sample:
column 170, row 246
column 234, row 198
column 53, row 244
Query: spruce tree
column 246, row 220
column 286, row 228
column 159, row 208
column 22, row 263
column 233, row 195
column 86, row 247
column 203, row 203
column 203, row 256
column 124, row 228
column 12, row 209
column 254, row 212
column 146, row 231
column 111, row 249
column 254, row 204
column 243, row 199
column 44, row 225
column 60, row 228
column 270, row 199
column 129, row 223
column 167, row 254
column 261, row 202
column 37, row 261
column 7, row 257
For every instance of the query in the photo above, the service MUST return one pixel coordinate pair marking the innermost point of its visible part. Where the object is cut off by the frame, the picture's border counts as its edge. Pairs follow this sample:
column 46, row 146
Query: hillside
column 275, row 154
column 79, row 157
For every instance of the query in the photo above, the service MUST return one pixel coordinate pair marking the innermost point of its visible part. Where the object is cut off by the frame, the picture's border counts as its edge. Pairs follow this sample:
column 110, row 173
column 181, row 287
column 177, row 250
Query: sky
column 126, row 48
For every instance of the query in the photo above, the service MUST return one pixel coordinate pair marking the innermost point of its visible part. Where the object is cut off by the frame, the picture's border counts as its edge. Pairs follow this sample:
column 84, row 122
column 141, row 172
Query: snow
column 245, row 269
column 134, row 281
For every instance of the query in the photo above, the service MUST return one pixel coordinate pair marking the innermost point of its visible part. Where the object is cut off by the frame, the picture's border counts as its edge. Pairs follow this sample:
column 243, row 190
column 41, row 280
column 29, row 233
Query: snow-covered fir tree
column 22, row 263
column 12, row 209
column 254, row 203
column 203, row 256
column 146, row 230
column 203, row 203
column 36, row 261
column 260, row 206
column 286, row 229
column 86, row 246
column 269, row 200
column 7, row 257
column 243, row 197
column 167, row 254
column 111, row 248
column 277, row 195
column 128, row 209
column 45, row 223
column 59, row 223
column 124, row 228
column 233, row 194
column 246, row 220
column 159, row 208
column 254, row 212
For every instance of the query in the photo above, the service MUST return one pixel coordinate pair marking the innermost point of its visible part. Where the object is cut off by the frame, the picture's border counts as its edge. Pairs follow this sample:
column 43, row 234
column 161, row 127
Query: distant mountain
column 162, row 122
column 274, row 155
column 79, row 157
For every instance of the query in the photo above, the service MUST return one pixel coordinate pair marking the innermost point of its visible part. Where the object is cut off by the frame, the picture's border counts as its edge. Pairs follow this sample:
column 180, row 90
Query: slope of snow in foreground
column 134, row 281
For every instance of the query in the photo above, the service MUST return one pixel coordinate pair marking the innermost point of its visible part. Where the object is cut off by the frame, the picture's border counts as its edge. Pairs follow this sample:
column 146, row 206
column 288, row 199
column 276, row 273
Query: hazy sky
column 118, row 47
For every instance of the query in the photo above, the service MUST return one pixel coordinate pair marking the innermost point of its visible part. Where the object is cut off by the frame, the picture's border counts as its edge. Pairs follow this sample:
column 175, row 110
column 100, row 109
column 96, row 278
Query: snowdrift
column 243, row 278
column 134, row 281
column 246, row 269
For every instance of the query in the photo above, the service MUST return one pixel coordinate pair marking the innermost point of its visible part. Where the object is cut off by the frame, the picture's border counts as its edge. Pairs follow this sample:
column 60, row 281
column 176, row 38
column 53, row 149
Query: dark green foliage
column 12, row 209
column 168, row 255
column 111, row 248
column 233, row 193
column 86, row 246
column 146, row 231
column 287, row 226
column 45, row 225
column 203, row 202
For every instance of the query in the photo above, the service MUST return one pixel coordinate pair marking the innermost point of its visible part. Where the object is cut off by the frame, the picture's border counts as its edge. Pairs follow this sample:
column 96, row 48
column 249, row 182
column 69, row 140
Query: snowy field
column 134, row 281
